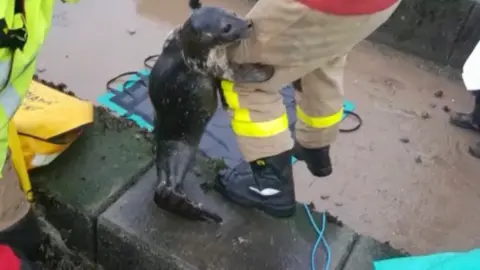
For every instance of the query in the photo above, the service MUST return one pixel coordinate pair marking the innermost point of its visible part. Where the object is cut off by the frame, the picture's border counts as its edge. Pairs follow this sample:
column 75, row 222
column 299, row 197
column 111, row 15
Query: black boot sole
column 275, row 211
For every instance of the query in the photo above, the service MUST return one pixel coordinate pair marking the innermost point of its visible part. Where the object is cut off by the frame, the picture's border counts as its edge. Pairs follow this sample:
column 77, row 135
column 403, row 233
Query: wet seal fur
column 184, row 86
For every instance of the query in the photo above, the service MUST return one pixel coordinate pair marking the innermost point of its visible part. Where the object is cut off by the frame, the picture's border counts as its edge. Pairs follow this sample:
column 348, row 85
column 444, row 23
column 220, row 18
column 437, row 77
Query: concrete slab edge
column 68, row 220
column 140, row 255
column 135, row 178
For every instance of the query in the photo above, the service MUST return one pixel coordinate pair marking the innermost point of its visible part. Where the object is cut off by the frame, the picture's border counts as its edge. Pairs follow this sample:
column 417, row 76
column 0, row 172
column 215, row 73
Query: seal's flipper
column 173, row 161
column 252, row 73
column 178, row 204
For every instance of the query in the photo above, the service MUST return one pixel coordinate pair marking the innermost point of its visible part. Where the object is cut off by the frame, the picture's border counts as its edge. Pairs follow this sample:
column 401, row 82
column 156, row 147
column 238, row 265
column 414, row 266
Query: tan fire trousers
column 300, row 43
column 13, row 202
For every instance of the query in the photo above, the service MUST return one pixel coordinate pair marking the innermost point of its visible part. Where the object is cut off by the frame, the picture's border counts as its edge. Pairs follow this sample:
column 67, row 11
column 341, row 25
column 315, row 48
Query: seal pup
column 184, row 86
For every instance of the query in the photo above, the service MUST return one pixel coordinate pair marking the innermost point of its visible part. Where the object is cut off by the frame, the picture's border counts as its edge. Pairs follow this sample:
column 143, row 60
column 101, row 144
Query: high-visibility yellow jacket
column 24, row 25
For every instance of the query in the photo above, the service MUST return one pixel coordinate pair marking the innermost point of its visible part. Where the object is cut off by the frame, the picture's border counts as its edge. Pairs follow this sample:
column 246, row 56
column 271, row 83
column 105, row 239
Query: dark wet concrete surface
column 134, row 234
column 367, row 250
column 421, row 195
column 77, row 187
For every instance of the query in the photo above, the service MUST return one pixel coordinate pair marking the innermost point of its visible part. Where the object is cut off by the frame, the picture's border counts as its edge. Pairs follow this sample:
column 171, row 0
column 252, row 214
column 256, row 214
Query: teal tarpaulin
column 469, row 260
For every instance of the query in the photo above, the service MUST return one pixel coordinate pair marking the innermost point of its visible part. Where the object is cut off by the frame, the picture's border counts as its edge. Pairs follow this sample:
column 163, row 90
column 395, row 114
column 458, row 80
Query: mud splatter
column 425, row 115
column 211, row 165
column 334, row 220
column 57, row 86
column 438, row 94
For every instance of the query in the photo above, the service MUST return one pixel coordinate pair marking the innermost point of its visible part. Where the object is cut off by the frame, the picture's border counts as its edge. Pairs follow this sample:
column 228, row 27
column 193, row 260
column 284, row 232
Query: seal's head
column 209, row 27
column 204, row 37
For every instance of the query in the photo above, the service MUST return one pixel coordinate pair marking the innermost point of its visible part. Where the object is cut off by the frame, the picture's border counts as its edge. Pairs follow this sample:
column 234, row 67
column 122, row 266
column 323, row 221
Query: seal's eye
column 227, row 28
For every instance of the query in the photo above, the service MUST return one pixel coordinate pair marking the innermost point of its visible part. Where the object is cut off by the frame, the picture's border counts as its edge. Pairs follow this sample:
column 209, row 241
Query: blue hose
column 320, row 239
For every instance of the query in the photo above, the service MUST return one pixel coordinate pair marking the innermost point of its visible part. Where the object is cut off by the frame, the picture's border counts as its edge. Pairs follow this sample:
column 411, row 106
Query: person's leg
column 468, row 120
column 319, row 110
column 260, row 123
column 320, row 101
column 296, row 41
column 475, row 148
column 18, row 225
column 476, row 108
column 258, row 115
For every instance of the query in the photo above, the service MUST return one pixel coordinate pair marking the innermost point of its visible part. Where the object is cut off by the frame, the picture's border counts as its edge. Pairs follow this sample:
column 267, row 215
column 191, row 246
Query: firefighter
column 21, row 38
column 470, row 121
column 307, row 41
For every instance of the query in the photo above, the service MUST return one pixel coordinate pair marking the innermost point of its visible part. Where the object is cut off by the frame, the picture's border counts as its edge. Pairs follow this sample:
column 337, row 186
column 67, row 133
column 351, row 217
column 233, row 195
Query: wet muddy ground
column 404, row 177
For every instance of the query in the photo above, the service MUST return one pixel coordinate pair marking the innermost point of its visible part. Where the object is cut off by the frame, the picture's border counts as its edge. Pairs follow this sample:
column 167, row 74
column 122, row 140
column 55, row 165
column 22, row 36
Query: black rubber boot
column 24, row 237
column 468, row 120
column 475, row 150
column 317, row 159
column 265, row 184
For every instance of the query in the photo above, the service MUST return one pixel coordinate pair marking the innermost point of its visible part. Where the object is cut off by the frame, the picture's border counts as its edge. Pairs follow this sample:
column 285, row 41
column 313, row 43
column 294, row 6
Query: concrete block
column 366, row 251
column 133, row 234
column 89, row 176
column 427, row 28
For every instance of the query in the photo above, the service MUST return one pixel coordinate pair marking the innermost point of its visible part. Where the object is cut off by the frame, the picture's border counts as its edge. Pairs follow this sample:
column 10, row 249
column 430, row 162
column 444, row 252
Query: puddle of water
column 93, row 41
column 177, row 12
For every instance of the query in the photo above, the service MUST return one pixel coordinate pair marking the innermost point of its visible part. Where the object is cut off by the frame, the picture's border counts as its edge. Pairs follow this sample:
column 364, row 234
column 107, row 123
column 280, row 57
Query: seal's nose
column 249, row 23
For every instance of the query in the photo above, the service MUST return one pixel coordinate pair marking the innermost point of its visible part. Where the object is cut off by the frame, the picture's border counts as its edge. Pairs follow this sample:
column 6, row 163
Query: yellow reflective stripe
column 243, row 125
column 4, row 71
column 261, row 129
column 11, row 97
column 320, row 121
column 231, row 97
column 233, row 102
column 242, row 114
